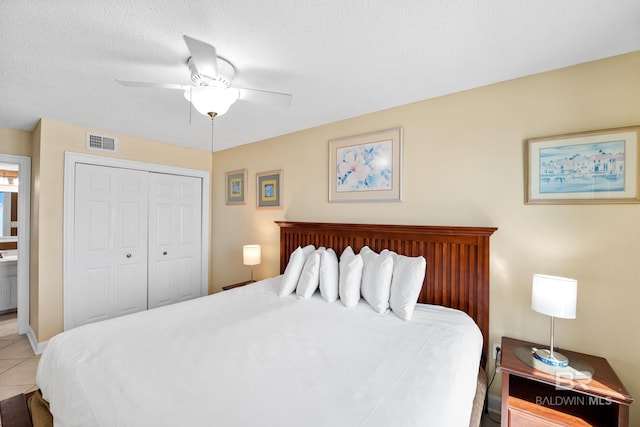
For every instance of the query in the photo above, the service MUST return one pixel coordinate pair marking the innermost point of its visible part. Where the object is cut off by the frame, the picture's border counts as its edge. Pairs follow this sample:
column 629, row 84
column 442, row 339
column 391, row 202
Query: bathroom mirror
column 8, row 205
column 8, row 214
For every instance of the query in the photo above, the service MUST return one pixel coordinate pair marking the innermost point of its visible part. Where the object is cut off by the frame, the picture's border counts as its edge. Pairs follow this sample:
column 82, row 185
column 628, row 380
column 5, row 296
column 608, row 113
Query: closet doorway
column 18, row 232
column 136, row 237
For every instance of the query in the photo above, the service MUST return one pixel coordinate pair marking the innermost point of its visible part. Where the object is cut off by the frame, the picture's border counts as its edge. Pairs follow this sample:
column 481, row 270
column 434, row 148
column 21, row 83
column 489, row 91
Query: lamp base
column 555, row 359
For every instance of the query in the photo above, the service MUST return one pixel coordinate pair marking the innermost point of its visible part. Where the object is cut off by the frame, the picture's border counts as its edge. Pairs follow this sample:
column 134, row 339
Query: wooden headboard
column 457, row 258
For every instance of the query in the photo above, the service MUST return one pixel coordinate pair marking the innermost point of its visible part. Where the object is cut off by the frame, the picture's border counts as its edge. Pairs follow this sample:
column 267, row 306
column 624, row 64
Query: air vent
column 102, row 142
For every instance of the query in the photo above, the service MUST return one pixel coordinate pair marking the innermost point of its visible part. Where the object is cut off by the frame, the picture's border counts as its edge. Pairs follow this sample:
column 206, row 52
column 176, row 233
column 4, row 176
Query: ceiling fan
column 212, row 93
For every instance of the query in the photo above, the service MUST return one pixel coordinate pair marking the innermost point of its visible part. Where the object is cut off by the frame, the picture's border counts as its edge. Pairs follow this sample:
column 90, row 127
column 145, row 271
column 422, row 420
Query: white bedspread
column 247, row 357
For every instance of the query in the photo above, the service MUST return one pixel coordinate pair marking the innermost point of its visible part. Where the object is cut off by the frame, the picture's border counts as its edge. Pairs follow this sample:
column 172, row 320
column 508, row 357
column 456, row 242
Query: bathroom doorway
column 15, row 218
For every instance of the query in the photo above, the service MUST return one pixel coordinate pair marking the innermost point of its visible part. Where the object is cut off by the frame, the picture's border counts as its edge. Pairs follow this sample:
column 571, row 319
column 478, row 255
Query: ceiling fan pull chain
column 212, row 135
column 190, row 104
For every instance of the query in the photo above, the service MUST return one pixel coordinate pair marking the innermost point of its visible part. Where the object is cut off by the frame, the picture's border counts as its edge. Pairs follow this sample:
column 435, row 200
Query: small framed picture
column 236, row 187
column 366, row 168
column 269, row 189
column 583, row 168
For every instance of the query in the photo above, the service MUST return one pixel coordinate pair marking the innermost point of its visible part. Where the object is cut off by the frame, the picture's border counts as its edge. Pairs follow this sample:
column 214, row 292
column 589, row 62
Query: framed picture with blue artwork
column 583, row 168
column 269, row 189
column 366, row 168
column 235, row 187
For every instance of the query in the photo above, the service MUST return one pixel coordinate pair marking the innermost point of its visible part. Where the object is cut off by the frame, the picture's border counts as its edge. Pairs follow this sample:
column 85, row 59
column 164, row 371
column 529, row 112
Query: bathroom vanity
column 8, row 282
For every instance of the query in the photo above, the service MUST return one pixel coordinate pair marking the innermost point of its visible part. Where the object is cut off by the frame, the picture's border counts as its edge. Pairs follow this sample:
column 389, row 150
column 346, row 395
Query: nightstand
column 237, row 285
column 531, row 397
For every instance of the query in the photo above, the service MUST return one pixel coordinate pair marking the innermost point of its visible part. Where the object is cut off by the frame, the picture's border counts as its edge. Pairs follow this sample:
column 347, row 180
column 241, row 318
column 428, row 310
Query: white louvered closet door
column 110, row 243
column 175, row 238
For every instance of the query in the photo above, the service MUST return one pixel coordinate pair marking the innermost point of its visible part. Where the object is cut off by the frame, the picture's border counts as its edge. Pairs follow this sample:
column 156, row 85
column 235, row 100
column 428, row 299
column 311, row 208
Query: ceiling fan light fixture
column 211, row 101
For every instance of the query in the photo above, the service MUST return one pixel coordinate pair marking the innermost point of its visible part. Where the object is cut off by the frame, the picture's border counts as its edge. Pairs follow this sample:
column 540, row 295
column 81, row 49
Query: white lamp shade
column 211, row 99
column 554, row 296
column 251, row 254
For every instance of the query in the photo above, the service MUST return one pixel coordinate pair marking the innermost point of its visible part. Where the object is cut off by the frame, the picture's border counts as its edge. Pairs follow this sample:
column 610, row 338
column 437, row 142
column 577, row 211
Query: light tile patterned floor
column 18, row 364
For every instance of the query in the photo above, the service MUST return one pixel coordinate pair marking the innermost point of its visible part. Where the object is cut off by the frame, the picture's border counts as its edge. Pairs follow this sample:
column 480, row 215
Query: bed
column 250, row 357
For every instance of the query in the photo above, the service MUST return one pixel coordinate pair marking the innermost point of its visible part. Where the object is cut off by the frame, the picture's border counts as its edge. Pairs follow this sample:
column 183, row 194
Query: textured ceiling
column 339, row 58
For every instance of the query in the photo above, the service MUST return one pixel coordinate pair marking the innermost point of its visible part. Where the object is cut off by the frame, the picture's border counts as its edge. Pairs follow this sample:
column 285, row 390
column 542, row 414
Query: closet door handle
column 128, row 255
column 164, row 253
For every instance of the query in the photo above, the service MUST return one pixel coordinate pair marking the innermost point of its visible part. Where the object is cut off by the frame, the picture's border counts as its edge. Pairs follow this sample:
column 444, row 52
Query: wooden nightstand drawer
column 527, row 414
column 527, row 419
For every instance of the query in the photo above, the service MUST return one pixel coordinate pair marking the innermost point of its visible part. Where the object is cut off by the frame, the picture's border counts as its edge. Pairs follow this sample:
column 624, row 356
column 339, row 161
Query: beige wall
column 15, row 142
column 51, row 140
column 463, row 165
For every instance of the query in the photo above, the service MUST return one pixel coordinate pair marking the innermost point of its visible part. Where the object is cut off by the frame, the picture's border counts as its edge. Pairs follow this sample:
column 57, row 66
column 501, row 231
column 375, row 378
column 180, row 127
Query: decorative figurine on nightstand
column 556, row 297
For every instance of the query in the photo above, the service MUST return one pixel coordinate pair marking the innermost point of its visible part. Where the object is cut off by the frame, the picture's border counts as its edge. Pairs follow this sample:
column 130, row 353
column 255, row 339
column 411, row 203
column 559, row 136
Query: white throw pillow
column 376, row 278
column 408, row 275
column 294, row 268
column 350, row 277
column 329, row 275
column 309, row 278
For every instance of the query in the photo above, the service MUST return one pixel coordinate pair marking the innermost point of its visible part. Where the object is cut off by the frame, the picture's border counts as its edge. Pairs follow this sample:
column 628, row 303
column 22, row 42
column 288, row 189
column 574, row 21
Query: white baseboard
column 38, row 347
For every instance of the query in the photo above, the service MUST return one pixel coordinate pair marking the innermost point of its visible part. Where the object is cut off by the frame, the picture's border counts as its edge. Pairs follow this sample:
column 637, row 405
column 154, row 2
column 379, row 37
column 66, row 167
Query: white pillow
column 294, row 268
column 329, row 275
column 376, row 278
column 309, row 278
column 408, row 275
column 350, row 277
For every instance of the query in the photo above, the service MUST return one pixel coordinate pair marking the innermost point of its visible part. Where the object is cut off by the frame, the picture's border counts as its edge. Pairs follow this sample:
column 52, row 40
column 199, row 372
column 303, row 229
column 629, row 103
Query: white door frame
column 24, row 230
column 70, row 160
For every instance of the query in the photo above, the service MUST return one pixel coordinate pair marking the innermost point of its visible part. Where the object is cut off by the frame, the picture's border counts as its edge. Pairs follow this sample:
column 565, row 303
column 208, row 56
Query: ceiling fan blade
column 277, row 99
column 128, row 83
column 203, row 56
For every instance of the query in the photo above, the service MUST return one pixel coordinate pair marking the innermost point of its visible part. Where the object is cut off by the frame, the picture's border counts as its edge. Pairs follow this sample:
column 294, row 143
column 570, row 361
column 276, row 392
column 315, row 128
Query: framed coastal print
column 236, row 187
column 583, row 168
column 269, row 189
column 366, row 168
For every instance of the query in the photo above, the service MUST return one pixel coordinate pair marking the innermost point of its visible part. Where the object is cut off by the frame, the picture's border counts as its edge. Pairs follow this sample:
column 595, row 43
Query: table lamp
column 556, row 297
column 251, row 256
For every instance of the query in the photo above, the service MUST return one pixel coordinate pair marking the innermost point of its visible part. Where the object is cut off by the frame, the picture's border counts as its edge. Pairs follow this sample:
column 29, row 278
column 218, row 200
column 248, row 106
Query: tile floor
column 18, row 364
